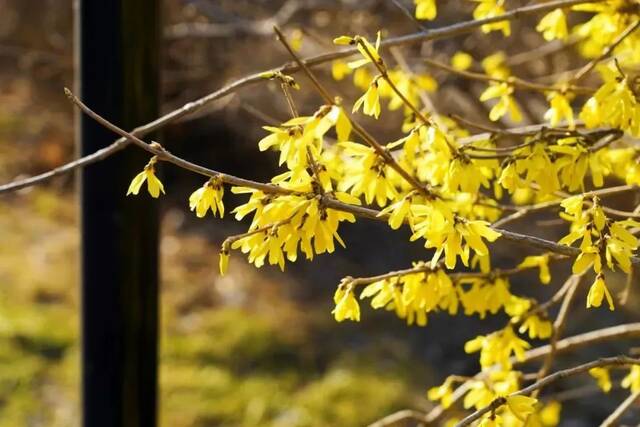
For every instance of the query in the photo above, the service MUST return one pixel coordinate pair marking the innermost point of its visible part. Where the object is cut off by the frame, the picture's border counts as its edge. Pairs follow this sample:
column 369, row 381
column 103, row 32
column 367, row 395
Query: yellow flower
column 509, row 178
column 366, row 173
column 560, row 109
column 209, row 196
column 621, row 245
column 425, row 9
column 550, row 414
column 296, row 137
column 468, row 175
column 461, row 61
column 398, row 211
column 540, row 261
column 296, row 39
column 496, row 66
column 485, row 390
column 442, row 393
column 366, row 49
column 598, row 292
column 553, row 26
column 492, row 420
column 340, row 69
column 538, row 328
column 521, row 406
column 224, row 261
column 490, row 9
column 370, row 100
column 614, row 104
column 506, row 103
column 587, row 258
column 632, row 380
column 343, row 40
column 148, row 175
column 602, row 376
column 497, row 348
column 536, row 166
column 346, row 304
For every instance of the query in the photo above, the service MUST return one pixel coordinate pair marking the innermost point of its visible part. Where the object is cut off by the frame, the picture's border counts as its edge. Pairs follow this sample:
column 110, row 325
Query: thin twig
column 555, row 299
column 166, row 156
column 612, row 420
column 558, row 328
column 608, row 51
column 525, row 210
column 515, row 82
column 191, row 107
column 406, row 12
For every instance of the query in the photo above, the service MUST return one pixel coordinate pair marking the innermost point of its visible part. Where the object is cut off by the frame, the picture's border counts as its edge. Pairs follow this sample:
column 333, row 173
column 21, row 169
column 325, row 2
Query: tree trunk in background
column 117, row 66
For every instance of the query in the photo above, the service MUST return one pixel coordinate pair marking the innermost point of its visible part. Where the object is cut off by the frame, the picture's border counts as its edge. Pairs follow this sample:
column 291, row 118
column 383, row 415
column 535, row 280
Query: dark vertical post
column 117, row 65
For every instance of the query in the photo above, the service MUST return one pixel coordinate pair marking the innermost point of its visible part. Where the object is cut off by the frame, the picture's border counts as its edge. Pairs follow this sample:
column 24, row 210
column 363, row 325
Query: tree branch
column 191, row 107
column 612, row 420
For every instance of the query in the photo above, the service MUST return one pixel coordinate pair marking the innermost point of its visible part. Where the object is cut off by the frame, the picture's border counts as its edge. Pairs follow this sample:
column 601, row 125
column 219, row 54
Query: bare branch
column 608, row 51
column 612, row 420
column 515, row 82
column 260, row 28
column 191, row 107
column 164, row 155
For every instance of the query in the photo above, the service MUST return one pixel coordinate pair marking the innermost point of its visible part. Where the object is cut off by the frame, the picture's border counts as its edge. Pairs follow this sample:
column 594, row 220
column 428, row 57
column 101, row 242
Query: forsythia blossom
column 554, row 25
column 506, row 103
column 209, row 196
column 489, row 9
column 148, row 175
column 425, row 9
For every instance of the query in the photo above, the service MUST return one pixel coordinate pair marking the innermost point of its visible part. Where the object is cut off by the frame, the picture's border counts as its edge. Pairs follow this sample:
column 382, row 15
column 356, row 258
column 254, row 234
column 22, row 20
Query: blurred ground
column 229, row 353
column 257, row 347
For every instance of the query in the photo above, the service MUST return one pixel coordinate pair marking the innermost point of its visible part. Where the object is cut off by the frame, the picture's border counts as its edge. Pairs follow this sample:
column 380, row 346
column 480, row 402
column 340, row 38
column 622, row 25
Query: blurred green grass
column 236, row 351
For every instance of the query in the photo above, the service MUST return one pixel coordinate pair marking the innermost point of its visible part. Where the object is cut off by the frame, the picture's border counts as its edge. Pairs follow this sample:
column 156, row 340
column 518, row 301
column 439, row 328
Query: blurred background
column 257, row 347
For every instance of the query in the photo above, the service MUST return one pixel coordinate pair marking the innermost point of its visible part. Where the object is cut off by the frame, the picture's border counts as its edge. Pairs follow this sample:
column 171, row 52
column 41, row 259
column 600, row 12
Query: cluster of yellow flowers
column 615, row 104
column 603, row 242
column 448, row 187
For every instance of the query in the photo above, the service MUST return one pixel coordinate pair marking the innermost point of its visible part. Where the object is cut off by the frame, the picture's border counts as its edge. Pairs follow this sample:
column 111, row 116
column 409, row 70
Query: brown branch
column 164, row 155
column 515, row 82
column 555, row 299
column 612, row 420
column 191, row 107
column 426, row 268
column 558, row 328
column 542, row 51
column 575, row 342
column 409, row 15
column 139, row 132
column 532, row 241
column 397, row 417
column 608, row 51
column 525, row 210
column 260, row 27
